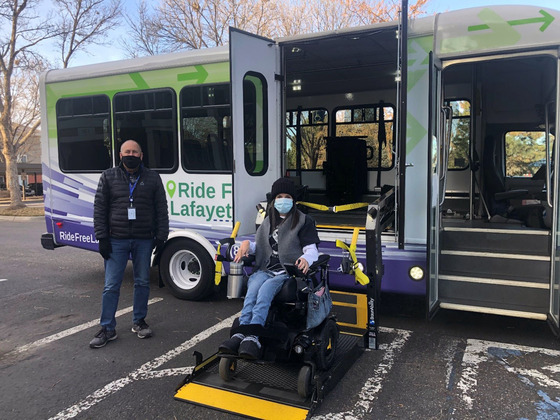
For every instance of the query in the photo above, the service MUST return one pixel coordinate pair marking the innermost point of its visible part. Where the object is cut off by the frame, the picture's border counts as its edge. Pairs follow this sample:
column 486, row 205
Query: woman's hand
column 243, row 251
column 302, row 265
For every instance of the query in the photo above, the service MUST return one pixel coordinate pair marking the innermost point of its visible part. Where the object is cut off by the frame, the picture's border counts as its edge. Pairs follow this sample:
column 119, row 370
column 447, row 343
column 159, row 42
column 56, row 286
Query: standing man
column 129, row 218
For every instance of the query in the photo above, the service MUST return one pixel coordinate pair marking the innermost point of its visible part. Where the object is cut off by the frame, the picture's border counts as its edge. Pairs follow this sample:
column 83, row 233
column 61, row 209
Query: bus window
column 255, row 123
column 365, row 121
column 206, row 136
column 460, row 134
column 84, row 134
column 312, row 125
column 150, row 118
column 525, row 152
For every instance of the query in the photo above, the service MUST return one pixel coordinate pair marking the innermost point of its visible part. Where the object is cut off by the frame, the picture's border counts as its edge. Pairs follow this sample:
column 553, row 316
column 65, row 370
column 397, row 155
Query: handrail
column 380, row 214
column 447, row 127
column 547, row 149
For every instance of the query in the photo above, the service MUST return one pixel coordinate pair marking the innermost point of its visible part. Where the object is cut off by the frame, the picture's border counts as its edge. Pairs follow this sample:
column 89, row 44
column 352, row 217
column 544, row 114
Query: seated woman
column 286, row 236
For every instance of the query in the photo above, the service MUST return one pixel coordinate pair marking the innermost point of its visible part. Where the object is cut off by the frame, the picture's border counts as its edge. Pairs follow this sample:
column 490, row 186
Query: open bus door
column 552, row 112
column 256, row 111
column 436, row 182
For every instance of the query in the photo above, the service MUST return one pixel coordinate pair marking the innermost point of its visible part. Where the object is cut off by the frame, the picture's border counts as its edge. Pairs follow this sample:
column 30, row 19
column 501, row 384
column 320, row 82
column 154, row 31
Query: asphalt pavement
column 456, row 366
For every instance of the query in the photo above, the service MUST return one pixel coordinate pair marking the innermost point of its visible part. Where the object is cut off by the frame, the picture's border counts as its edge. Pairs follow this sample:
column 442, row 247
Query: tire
column 327, row 347
column 227, row 368
column 304, row 381
column 187, row 269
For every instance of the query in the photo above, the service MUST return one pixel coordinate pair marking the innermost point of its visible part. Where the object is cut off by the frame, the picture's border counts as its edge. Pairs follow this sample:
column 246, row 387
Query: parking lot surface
column 456, row 366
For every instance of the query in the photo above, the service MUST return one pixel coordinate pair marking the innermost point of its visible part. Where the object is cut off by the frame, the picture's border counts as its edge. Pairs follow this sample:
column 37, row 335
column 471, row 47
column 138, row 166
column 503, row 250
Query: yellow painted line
column 239, row 404
column 341, row 227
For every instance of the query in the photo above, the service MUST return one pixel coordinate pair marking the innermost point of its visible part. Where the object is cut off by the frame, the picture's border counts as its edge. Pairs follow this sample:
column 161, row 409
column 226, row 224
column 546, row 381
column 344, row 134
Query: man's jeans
column 261, row 289
column 141, row 250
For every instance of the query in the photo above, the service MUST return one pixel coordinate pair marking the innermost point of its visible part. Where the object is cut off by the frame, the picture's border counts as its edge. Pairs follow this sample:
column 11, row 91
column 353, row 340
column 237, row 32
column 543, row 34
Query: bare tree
column 80, row 24
column 192, row 24
column 143, row 37
column 17, row 60
column 83, row 23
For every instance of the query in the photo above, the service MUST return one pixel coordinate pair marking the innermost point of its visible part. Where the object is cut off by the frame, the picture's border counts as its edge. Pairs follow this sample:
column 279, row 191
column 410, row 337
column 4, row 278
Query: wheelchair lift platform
column 266, row 390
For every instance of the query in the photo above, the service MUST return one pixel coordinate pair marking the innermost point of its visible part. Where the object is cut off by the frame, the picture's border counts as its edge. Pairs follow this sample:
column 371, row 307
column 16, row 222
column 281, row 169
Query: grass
column 22, row 211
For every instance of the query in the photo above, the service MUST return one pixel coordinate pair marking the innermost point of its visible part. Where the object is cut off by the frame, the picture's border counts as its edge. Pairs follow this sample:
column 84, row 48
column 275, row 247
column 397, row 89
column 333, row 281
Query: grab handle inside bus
column 548, row 157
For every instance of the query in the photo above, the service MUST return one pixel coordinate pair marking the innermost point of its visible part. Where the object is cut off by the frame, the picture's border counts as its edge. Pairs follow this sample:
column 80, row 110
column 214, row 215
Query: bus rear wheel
column 187, row 269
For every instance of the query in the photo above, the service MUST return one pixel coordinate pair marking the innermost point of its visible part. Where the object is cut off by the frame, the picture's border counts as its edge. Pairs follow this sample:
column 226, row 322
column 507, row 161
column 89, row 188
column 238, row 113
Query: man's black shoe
column 142, row 329
column 102, row 337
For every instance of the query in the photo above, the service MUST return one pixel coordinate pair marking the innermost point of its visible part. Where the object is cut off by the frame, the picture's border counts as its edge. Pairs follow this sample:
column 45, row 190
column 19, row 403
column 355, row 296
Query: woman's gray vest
column 289, row 247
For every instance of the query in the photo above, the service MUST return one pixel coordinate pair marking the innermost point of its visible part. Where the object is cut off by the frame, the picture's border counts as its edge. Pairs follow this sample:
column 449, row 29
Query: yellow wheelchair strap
column 358, row 273
column 334, row 209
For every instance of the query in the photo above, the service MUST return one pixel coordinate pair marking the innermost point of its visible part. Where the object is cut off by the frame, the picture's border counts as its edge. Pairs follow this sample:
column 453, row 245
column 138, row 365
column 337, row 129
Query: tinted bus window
column 150, row 118
column 84, row 133
column 375, row 123
column 305, row 134
column 459, row 148
column 206, row 136
column 526, row 152
column 255, row 123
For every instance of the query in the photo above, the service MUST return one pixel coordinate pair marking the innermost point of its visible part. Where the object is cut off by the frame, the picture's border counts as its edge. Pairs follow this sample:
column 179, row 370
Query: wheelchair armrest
column 248, row 260
column 322, row 260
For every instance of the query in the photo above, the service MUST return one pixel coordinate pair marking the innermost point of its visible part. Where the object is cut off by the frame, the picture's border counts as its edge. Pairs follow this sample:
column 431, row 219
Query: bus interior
column 500, row 111
column 341, row 97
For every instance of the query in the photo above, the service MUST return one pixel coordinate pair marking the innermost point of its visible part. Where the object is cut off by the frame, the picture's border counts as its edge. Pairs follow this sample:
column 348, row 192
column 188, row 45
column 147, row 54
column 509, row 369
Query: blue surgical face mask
column 283, row 205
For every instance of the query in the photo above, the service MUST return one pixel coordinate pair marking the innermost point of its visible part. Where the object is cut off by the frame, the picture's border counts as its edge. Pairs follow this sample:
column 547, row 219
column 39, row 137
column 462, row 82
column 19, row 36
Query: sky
column 98, row 54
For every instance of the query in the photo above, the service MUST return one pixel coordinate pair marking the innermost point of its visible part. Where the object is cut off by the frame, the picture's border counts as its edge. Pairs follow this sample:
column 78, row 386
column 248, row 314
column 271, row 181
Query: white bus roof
column 154, row 62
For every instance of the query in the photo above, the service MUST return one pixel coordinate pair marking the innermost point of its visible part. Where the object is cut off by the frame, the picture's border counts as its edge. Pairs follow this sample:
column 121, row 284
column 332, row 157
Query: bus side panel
column 396, row 263
column 71, row 210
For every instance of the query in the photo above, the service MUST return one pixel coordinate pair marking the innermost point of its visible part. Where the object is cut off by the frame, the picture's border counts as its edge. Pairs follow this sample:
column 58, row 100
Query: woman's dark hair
column 275, row 218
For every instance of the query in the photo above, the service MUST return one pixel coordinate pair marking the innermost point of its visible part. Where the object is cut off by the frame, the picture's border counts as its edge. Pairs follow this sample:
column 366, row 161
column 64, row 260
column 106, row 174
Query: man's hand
column 158, row 245
column 105, row 248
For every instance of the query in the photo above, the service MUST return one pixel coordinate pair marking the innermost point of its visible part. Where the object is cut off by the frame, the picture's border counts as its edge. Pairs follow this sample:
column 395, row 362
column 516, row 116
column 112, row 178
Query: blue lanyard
column 131, row 189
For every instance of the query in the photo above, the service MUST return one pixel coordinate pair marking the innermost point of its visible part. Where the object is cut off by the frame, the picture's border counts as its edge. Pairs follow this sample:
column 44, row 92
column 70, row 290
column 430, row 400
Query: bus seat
column 345, row 169
column 504, row 205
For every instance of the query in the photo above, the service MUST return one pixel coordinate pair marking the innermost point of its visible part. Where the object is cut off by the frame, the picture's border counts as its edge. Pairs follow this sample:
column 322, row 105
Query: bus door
column 552, row 116
column 256, row 112
column 436, row 183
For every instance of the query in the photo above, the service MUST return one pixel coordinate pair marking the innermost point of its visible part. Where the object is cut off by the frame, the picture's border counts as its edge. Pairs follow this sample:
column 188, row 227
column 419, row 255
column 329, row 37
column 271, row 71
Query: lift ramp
column 266, row 390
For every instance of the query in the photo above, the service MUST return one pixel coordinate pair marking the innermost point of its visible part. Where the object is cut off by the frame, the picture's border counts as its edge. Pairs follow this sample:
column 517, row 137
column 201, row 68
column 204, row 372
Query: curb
column 20, row 218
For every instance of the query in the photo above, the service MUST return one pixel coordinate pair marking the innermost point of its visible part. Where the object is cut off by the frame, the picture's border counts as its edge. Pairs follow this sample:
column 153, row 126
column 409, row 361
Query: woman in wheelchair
column 286, row 236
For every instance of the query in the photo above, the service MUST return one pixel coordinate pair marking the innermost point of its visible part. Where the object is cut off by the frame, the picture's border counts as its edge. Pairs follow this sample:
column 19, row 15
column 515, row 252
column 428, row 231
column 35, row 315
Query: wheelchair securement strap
column 358, row 273
column 333, row 209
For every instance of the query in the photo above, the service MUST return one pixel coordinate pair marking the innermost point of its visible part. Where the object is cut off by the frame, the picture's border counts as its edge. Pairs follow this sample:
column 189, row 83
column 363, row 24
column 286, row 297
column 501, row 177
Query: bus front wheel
column 187, row 269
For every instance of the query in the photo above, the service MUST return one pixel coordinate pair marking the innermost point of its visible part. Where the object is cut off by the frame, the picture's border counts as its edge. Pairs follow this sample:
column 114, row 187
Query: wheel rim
column 184, row 269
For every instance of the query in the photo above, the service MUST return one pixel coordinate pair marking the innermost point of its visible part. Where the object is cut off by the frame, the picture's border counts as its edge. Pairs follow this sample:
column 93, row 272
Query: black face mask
column 131, row 162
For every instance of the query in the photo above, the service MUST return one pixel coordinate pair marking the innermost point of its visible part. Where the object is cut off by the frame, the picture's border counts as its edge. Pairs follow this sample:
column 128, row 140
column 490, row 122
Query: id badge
column 131, row 213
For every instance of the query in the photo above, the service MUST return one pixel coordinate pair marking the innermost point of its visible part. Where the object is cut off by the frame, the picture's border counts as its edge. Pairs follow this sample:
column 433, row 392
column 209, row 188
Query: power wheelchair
column 287, row 337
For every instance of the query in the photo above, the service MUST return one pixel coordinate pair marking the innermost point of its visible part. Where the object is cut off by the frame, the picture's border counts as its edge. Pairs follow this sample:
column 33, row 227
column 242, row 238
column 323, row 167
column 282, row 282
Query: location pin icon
column 171, row 187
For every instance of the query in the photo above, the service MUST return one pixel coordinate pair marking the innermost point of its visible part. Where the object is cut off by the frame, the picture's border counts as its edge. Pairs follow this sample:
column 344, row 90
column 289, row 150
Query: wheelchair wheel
column 304, row 381
column 227, row 368
column 327, row 347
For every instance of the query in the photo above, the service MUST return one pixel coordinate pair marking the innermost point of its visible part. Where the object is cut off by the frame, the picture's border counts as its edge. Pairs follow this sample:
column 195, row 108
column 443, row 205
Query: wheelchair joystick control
column 235, row 281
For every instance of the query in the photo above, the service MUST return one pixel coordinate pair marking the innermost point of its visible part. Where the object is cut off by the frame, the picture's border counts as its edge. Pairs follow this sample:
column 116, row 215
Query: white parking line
column 70, row 331
column 364, row 406
column 146, row 371
column 480, row 351
column 3, row 279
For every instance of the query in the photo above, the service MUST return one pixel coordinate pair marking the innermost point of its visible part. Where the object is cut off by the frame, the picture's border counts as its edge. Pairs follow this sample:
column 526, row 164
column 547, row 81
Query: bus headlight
column 416, row 273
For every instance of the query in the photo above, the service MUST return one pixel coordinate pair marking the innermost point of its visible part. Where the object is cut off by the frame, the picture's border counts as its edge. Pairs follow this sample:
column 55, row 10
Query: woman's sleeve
column 308, row 233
